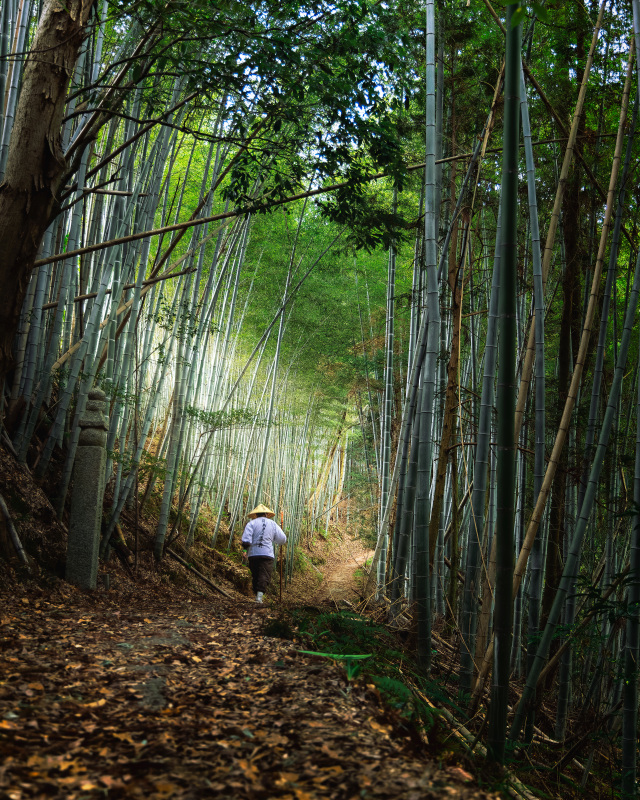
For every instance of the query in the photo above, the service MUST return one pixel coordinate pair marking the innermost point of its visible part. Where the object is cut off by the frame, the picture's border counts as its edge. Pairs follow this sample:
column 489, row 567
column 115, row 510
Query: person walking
column 258, row 538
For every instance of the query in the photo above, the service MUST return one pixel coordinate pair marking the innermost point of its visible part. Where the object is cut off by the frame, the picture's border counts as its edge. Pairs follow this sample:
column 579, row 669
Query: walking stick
column 281, row 525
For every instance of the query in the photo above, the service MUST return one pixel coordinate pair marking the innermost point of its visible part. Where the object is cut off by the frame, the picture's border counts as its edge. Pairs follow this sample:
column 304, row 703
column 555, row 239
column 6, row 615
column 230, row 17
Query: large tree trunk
column 35, row 163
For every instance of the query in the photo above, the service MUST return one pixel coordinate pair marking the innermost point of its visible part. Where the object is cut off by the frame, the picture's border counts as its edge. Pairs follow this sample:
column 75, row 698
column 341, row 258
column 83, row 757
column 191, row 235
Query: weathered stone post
column 88, row 494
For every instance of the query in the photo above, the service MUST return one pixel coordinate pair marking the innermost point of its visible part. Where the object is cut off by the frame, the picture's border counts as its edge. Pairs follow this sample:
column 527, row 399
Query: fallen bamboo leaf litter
column 150, row 697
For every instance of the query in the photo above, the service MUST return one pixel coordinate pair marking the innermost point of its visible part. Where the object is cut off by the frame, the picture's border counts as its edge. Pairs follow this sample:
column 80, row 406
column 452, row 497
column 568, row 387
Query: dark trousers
column 261, row 568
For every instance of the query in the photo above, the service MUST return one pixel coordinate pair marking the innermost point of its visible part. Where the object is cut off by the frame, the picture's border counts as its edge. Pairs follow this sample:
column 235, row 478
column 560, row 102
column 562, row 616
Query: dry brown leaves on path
column 131, row 695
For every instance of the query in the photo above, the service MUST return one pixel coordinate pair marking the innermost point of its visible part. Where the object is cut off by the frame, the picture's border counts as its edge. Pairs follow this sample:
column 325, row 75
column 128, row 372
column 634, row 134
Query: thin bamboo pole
column 572, row 395
column 527, row 366
column 505, row 398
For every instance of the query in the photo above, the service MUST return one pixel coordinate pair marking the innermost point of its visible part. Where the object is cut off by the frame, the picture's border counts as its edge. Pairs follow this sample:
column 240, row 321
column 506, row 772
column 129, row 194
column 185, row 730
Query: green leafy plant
column 352, row 664
column 368, row 650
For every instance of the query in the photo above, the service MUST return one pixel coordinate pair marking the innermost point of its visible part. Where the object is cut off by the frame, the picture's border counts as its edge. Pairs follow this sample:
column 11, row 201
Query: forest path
column 134, row 693
column 334, row 572
column 341, row 583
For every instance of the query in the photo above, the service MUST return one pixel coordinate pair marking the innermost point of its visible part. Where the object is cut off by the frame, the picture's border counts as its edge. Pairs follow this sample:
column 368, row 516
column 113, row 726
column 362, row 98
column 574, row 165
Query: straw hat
column 260, row 509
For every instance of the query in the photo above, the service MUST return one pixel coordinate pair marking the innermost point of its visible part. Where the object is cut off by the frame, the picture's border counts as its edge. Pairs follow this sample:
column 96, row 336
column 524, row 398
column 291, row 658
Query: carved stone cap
column 94, row 416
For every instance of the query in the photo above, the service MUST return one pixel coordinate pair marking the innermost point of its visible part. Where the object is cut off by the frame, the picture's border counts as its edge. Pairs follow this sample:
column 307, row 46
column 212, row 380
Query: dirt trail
column 138, row 694
column 329, row 576
column 340, row 582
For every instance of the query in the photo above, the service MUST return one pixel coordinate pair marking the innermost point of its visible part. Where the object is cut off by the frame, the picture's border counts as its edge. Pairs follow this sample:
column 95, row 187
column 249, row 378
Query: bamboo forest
column 368, row 269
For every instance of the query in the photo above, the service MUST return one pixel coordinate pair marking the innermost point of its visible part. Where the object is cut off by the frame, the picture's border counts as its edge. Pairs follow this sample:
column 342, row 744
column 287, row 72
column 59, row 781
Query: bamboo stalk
column 13, row 533
column 570, row 567
column 196, row 572
column 576, row 378
column 149, row 282
column 527, row 366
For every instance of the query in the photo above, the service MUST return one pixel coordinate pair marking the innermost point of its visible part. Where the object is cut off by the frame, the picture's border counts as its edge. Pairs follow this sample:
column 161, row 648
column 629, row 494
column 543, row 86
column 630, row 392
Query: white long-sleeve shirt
column 262, row 533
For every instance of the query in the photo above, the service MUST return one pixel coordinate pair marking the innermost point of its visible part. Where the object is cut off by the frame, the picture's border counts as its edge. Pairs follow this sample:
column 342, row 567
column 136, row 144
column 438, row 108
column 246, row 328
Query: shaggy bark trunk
column 35, row 163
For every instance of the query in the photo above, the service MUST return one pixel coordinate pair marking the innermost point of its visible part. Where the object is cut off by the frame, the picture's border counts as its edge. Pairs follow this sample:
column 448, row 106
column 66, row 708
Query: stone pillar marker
column 88, row 493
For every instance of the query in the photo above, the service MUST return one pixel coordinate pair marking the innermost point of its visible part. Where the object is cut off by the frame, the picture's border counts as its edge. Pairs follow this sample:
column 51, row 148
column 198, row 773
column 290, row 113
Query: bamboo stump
column 88, row 493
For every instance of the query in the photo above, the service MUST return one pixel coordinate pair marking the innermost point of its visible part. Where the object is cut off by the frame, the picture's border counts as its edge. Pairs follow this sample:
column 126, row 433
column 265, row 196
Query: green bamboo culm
column 387, row 409
column 632, row 648
column 629, row 737
column 469, row 617
column 427, row 391
column 570, row 570
column 506, row 395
